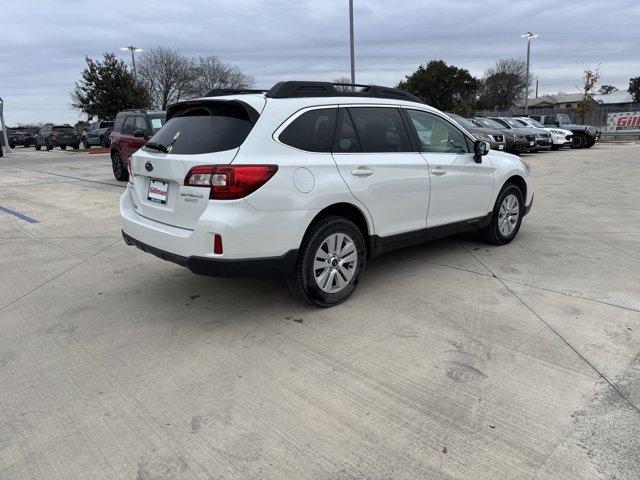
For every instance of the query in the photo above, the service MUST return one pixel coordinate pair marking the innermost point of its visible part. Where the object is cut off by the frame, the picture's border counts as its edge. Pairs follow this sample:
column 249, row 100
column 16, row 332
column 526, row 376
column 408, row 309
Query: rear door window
column 380, row 129
column 206, row 128
column 128, row 125
column 119, row 123
column 312, row 131
column 141, row 124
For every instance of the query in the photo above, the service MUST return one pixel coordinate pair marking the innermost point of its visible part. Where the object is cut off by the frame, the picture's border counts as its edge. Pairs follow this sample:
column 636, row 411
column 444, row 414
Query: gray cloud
column 45, row 42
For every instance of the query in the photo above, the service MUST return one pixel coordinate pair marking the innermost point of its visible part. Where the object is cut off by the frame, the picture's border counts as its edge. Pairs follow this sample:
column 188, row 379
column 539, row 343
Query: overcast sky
column 45, row 41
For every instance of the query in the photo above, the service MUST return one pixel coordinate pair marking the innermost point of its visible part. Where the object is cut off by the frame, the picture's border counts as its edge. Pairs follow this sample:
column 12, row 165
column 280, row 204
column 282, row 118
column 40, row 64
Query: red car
column 131, row 130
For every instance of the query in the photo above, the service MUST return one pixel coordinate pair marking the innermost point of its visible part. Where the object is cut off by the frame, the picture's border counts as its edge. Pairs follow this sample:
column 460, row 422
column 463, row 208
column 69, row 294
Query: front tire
column 330, row 262
column 119, row 168
column 579, row 140
column 506, row 218
column 47, row 145
column 63, row 147
column 85, row 144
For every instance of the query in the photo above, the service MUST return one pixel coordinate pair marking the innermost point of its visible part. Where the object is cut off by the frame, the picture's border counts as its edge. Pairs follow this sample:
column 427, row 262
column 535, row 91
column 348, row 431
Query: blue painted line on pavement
column 18, row 214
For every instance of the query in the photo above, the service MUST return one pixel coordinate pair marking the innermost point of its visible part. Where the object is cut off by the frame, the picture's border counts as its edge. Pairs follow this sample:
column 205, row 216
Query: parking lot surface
column 454, row 359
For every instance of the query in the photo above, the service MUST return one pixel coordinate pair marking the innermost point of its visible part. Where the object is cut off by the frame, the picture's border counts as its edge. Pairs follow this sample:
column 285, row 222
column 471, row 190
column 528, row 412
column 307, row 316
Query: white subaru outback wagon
column 309, row 181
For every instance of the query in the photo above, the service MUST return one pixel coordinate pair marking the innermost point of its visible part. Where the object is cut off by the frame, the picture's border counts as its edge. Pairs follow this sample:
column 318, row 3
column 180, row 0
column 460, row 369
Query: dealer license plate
column 158, row 191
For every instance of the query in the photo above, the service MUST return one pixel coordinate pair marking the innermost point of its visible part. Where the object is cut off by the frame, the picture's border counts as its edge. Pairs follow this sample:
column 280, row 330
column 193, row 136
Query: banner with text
column 623, row 122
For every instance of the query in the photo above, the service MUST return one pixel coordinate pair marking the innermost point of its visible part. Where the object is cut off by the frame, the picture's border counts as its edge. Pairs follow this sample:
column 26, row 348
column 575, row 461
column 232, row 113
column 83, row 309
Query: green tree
column 443, row 86
column 634, row 88
column 607, row 89
column 107, row 87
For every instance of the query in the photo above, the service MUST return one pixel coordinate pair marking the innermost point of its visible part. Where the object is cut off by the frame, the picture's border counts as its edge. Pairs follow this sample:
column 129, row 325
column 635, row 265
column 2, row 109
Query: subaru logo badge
column 148, row 166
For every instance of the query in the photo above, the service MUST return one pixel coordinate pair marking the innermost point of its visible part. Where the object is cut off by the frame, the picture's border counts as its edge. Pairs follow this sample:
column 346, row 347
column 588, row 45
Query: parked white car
column 308, row 181
column 559, row 136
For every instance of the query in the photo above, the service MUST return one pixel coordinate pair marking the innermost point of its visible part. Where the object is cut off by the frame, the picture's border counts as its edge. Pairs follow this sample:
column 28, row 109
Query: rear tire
column 76, row 146
column 63, row 147
column 506, row 218
column 330, row 262
column 85, row 144
column 38, row 147
column 119, row 168
column 47, row 145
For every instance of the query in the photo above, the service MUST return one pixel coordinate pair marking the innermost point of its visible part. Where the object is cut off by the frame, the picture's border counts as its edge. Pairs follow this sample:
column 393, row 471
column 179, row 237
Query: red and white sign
column 623, row 122
column 158, row 191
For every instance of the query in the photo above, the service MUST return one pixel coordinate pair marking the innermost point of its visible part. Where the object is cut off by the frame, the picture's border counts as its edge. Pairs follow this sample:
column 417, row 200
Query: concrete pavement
column 452, row 360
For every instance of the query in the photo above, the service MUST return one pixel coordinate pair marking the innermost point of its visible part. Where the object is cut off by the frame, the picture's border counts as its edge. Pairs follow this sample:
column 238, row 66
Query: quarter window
column 380, row 129
column 312, row 131
column 437, row 135
column 119, row 123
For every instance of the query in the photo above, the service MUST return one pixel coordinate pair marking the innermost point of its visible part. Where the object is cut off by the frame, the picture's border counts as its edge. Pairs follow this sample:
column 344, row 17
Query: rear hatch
column 64, row 134
column 203, row 132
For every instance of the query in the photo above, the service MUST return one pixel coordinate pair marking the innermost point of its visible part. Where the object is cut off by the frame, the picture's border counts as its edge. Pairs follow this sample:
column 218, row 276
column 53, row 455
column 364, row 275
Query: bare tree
column 342, row 80
column 210, row 73
column 167, row 74
column 504, row 83
column 590, row 78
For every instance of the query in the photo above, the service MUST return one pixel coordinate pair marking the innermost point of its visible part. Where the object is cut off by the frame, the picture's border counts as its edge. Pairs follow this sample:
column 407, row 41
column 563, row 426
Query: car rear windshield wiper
column 156, row 146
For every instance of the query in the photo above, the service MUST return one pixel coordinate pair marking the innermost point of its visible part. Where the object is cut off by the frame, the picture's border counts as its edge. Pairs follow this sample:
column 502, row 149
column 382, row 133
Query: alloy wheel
column 508, row 215
column 335, row 263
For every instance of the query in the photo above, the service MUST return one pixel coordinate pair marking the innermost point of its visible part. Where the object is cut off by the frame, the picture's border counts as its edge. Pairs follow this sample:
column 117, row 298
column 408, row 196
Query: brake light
column 230, row 182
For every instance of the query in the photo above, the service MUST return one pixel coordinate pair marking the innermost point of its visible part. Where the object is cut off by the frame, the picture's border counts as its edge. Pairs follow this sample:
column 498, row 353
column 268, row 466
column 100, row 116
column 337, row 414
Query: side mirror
column 480, row 149
column 139, row 133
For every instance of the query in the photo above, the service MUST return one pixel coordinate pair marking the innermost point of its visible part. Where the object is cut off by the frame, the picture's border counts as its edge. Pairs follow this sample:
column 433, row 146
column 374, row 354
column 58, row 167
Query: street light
column 4, row 129
column 529, row 36
column 353, row 61
column 133, row 50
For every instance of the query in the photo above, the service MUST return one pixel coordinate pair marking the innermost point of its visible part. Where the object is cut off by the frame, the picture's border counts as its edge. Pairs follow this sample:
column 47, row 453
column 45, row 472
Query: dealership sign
column 623, row 122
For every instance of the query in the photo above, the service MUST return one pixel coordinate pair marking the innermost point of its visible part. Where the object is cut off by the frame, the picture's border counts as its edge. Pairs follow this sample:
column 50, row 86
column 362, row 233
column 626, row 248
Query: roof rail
column 296, row 89
column 220, row 92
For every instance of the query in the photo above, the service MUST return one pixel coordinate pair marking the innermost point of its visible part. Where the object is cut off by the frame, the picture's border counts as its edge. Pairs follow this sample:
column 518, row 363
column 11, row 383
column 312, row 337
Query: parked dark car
column 584, row 136
column 517, row 140
column 131, row 130
column 97, row 134
column 542, row 138
column 19, row 137
column 51, row 136
column 495, row 138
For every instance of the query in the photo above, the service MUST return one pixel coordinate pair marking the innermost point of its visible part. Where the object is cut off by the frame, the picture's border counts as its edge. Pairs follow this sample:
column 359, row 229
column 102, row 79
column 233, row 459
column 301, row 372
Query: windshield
column 461, row 121
column 63, row 128
column 564, row 118
column 513, row 122
column 487, row 122
column 535, row 123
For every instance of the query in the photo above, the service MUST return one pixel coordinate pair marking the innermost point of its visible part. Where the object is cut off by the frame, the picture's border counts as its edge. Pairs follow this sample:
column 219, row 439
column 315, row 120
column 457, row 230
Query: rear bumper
column 216, row 267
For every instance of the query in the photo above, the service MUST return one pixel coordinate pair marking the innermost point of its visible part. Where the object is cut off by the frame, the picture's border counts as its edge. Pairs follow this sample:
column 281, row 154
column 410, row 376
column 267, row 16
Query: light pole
column 529, row 36
column 133, row 50
column 4, row 129
column 353, row 59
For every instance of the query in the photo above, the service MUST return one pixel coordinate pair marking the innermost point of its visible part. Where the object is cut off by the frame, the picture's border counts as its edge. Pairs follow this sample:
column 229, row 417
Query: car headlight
column 482, row 136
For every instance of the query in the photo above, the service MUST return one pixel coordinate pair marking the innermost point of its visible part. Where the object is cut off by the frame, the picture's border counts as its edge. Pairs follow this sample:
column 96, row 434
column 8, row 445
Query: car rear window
column 157, row 121
column 62, row 128
column 212, row 127
column 312, row 131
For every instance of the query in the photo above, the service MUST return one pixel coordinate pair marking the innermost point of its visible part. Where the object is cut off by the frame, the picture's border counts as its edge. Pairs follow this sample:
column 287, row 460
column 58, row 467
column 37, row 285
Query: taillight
column 230, row 182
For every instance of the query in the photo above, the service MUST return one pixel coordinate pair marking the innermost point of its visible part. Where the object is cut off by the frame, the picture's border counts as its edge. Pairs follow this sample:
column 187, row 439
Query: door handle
column 438, row 171
column 362, row 172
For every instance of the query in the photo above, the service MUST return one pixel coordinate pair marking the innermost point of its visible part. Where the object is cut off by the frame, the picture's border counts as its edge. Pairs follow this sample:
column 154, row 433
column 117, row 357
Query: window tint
column 119, row 123
column 346, row 138
column 211, row 127
column 487, row 122
column 141, row 124
column 436, row 134
column 128, row 125
column 312, row 131
column 380, row 129
column 549, row 120
column 501, row 122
